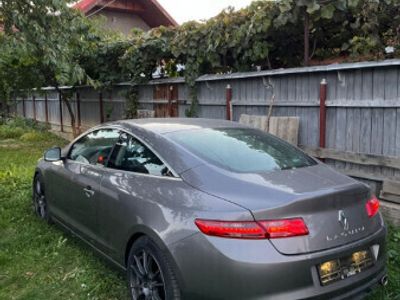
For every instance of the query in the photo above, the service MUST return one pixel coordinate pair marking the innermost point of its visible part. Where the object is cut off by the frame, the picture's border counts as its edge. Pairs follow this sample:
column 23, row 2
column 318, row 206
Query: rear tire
column 40, row 206
column 150, row 275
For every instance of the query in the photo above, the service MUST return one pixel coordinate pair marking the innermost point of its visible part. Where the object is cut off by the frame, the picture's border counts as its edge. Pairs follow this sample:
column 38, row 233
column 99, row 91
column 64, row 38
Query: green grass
column 392, row 291
column 38, row 261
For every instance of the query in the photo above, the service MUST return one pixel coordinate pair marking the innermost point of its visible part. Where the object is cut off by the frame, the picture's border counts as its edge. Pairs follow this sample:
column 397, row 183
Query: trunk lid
column 331, row 204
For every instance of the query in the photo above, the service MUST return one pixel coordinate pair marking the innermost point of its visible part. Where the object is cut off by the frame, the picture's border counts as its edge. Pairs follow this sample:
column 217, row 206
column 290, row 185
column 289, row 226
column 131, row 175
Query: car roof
column 166, row 125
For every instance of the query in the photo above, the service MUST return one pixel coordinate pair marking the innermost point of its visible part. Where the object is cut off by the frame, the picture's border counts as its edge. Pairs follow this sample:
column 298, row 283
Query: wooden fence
column 362, row 109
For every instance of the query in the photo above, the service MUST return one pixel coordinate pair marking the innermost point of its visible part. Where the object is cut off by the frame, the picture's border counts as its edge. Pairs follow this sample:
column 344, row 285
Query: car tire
column 40, row 205
column 150, row 275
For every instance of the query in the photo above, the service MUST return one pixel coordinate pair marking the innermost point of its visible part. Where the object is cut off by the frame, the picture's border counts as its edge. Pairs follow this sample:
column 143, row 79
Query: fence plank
column 286, row 128
column 391, row 191
column 354, row 157
column 367, row 84
column 391, row 211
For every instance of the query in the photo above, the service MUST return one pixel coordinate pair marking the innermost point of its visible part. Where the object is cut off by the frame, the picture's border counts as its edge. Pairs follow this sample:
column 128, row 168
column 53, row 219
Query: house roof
column 150, row 11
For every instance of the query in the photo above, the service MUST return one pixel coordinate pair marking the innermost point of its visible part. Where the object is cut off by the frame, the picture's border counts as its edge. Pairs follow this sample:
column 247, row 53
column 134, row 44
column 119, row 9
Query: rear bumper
column 217, row 268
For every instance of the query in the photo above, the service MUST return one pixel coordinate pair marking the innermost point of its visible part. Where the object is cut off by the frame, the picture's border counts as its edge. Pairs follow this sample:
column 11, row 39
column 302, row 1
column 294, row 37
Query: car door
column 133, row 174
column 75, row 188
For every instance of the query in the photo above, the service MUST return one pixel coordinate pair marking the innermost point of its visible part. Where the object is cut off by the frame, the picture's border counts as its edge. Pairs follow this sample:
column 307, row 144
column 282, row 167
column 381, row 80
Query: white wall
column 123, row 22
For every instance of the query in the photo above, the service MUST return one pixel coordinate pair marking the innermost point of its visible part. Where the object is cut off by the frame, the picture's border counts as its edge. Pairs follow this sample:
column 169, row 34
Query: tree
column 46, row 43
column 310, row 12
column 50, row 38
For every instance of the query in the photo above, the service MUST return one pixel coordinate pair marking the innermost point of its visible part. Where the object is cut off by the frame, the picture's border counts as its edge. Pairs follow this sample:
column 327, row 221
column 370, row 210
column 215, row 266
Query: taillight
column 285, row 228
column 252, row 229
column 372, row 206
column 228, row 229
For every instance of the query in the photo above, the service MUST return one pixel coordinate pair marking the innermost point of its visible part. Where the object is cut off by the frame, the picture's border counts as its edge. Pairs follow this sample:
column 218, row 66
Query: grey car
column 211, row 209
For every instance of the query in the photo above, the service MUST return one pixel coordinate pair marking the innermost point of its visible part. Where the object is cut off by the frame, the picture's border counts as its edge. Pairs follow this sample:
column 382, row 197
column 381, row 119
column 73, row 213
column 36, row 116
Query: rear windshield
column 242, row 150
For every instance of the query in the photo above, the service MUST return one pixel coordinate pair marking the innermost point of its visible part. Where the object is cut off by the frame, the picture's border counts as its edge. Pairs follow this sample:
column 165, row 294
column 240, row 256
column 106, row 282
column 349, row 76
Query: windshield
column 242, row 150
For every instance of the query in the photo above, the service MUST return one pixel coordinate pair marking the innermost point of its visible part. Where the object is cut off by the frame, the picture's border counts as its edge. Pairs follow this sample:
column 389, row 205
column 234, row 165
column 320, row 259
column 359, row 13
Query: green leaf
column 327, row 11
column 313, row 7
column 353, row 3
column 284, row 6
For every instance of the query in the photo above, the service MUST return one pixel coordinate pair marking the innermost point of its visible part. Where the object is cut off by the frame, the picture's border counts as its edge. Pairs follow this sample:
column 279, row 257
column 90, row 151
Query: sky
column 186, row 10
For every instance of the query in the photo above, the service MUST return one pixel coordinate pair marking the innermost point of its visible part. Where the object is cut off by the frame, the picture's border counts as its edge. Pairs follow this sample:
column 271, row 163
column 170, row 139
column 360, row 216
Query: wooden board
column 354, row 157
column 170, row 107
column 365, row 175
column 391, row 212
column 286, row 128
column 145, row 113
column 391, row 191
column 259, row 122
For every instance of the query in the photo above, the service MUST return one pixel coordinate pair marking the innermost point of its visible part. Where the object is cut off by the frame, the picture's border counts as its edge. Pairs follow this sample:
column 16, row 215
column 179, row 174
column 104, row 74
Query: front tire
column 40, row 205
column 150, row 275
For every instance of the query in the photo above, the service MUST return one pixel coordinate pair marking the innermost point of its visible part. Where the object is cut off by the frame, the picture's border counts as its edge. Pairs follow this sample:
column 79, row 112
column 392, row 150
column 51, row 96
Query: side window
column 95, row 147
column 131, row 155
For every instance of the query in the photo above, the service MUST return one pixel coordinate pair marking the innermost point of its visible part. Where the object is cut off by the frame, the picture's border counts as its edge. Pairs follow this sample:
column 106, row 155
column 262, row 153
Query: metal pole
column 78, row 111
column 170, row 90
column 34, row 106
column 23, row 107
column 46, row 108
column 228, row 102
column 322, row 113
column 61, row 112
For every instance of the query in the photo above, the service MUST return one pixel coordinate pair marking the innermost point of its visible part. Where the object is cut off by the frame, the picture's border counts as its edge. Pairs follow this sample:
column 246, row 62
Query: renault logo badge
column 343, row 220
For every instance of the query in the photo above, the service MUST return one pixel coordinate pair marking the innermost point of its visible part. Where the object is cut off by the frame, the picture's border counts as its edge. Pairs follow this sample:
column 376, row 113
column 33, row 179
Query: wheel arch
column 37, row 172
column 129, row 245
column 136, row 233
column 142, row 231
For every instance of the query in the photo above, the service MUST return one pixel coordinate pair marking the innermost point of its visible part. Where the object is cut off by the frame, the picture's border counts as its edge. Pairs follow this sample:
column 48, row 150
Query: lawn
column 38, row 261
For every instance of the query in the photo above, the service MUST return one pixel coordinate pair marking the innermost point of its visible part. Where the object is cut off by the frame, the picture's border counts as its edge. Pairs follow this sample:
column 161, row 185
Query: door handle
column 88, row 191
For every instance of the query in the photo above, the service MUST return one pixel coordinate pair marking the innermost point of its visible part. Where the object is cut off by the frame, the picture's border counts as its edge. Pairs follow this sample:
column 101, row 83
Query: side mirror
column 53, row 154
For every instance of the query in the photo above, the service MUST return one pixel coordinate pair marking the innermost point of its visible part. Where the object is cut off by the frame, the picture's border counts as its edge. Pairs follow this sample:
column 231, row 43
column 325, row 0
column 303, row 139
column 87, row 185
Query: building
column 124, row 15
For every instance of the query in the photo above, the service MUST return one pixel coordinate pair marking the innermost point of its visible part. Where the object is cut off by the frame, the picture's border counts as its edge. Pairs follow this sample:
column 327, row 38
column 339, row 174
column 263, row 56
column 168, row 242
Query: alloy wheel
column 146, row 278
column 39, row 200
